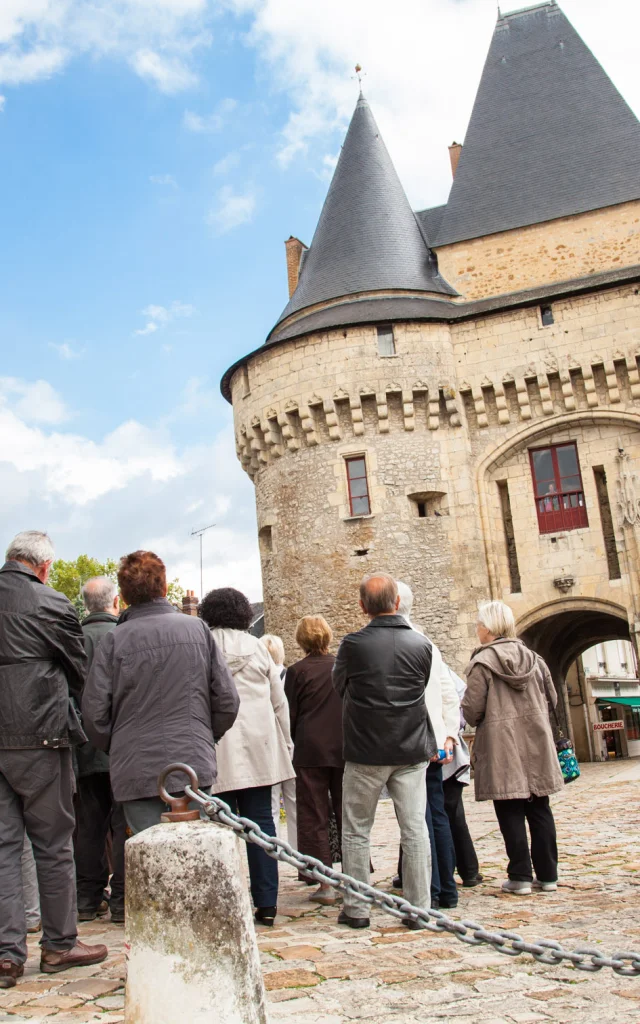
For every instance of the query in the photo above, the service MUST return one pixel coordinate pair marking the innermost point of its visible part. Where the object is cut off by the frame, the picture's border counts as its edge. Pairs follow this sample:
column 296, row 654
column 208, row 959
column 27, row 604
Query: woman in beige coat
column 509, row 689
column 254, row 755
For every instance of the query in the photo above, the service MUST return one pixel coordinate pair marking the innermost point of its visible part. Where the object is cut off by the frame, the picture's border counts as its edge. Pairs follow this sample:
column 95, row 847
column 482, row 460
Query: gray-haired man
column 98, row 816
column 381, row 673
column 42, row 661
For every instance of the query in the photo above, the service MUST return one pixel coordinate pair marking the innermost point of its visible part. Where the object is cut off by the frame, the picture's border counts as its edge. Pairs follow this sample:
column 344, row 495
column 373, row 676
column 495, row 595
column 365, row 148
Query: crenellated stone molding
column 540, row 387
column 314, row 418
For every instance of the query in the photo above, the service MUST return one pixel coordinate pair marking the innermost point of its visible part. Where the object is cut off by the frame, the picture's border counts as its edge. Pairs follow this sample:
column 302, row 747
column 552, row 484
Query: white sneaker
column 544, row 886
column 517, row 888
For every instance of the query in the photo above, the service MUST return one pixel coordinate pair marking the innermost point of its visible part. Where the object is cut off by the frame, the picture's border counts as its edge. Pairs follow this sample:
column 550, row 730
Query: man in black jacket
column 98, row 815
column 381, row 673
column 42, row 662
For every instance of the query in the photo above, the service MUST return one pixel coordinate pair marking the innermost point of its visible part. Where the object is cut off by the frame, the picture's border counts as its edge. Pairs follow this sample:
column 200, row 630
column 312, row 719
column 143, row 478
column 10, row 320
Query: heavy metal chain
column 545, row 951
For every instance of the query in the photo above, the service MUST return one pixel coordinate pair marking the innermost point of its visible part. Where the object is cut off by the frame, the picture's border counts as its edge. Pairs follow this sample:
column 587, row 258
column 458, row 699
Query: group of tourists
column 92, row 712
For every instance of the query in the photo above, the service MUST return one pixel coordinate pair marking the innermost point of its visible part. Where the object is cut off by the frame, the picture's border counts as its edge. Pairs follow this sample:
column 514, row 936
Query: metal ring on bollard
column 179, row 804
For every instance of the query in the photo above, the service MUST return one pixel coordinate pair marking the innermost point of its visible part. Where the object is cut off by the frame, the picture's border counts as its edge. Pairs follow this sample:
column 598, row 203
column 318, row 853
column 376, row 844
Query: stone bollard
column 192, row 950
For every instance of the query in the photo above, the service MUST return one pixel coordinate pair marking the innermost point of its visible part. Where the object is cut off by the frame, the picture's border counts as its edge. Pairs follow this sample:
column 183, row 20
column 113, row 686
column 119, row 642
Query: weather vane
column 360, row 75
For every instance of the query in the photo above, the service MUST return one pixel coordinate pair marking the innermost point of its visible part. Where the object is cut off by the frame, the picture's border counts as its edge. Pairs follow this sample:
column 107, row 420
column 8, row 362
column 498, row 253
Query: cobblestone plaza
column 319, row 973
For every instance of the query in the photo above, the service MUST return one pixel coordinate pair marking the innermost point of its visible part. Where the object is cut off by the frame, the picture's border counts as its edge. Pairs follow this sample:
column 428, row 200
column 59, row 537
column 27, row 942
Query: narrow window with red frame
column 558, row 488
column 358, row 486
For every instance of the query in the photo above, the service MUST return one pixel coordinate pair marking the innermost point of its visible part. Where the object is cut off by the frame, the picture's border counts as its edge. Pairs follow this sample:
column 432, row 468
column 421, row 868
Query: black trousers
column 313, row 787
column 99, row 818
column 513, row 817
column 255, row 803
column 466, row 859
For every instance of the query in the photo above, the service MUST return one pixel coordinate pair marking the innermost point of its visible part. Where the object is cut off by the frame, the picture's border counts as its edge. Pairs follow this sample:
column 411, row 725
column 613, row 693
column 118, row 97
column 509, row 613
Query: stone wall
column 558, row 250
column 446, row 419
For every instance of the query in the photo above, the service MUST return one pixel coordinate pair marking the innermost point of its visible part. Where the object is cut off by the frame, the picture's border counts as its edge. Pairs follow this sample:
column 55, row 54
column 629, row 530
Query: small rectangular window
column 386, row 344
column 546, row 316
column 358, row 485
column 422, row 509
column 558, row 488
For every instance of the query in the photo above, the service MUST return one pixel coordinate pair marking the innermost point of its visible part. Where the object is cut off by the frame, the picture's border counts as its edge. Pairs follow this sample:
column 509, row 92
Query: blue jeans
column 255, row 804
column 443, row 886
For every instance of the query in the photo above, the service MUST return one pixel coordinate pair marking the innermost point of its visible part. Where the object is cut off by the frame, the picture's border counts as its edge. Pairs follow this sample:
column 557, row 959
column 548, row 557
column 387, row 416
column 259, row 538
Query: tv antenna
column 199, row 533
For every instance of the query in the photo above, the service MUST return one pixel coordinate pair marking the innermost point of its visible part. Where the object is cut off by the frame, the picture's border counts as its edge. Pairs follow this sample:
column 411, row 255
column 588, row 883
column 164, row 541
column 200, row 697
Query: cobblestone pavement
column 317, row 972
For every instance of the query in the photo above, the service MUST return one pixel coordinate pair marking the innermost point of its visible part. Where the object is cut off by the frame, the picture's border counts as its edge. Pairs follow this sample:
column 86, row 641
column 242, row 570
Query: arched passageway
column 562, row 632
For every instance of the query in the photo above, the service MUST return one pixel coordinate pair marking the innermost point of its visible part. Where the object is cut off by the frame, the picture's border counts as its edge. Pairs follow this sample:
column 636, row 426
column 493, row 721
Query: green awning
column 631, row 702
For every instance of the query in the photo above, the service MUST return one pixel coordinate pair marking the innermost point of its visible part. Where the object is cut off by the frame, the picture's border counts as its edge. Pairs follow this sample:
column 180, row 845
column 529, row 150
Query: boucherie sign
column 608, row 726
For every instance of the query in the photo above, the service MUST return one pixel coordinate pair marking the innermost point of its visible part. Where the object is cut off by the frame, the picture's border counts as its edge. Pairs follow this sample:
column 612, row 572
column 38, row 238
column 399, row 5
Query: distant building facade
column 453, row 395
column 604, row 699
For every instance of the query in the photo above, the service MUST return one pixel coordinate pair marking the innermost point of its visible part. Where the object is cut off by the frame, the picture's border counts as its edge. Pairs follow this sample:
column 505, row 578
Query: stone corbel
column 545, row 394
column 332, row 419
column 451, row 405
column 383, row 412
column 634, row 377
column 408, row 411
column 590, row 387
column 501, row 403
column 522, row 394
column 568, row 396
column 612, row 382
column 481, row 410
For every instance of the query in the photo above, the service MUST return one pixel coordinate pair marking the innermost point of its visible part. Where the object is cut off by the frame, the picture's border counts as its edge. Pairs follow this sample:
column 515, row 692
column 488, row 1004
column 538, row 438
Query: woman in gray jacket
column 509, row 689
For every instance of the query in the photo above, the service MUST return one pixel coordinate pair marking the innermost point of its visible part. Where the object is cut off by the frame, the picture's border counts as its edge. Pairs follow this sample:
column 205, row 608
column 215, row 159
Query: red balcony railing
column 558, row 512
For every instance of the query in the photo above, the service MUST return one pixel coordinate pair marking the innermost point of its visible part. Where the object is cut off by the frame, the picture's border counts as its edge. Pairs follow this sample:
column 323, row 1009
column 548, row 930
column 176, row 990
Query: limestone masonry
column 464, row 414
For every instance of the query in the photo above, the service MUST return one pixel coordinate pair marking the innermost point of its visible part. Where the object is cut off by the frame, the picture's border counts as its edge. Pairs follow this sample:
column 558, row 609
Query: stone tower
column 453, row 395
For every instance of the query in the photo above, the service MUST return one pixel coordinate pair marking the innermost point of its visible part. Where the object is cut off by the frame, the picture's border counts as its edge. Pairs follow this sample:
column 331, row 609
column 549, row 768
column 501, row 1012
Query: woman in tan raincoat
column 509, row 689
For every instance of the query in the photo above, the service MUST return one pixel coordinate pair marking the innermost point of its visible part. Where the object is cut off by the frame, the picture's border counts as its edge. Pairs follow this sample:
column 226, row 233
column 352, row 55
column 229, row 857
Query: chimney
column 455, row 149
column 190, row 603
column 294, row 248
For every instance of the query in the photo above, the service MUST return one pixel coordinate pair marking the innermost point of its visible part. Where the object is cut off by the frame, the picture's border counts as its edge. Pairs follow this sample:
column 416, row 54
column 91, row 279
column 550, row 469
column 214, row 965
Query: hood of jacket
column 236, row 646
column 508, row 660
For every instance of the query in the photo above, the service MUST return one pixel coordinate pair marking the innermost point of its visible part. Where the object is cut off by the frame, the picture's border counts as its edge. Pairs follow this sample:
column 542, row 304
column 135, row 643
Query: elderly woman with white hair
column 509, row 690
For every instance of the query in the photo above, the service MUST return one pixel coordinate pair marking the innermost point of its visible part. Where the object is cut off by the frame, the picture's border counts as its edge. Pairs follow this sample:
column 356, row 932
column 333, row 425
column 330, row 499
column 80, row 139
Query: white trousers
column 288, row 791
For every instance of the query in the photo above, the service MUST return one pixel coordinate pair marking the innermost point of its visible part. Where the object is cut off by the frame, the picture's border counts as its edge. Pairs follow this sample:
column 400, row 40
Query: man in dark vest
column 99, row 818
column 381, row 673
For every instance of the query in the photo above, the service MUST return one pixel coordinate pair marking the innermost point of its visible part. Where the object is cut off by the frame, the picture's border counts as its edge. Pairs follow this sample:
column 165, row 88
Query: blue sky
column 154, row 155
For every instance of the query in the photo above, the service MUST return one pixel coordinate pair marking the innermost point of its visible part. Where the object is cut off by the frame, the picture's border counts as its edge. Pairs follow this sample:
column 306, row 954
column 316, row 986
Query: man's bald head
column 379, row 594
column 100, row 594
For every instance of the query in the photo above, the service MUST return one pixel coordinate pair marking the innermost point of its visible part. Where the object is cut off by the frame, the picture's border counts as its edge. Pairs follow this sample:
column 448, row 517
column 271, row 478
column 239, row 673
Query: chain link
column 545, row 951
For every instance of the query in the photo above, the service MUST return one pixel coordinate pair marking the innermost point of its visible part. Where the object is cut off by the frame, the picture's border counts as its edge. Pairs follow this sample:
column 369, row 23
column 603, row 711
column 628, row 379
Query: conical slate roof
column 368, row 237
column 549, row 135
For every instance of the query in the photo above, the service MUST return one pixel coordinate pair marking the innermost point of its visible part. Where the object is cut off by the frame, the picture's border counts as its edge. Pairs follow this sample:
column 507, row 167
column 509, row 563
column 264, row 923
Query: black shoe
column 266, row 915
column 353, row 922
column 446, row 906
column 414, row 926
column 117, row 915
column 435, row 904
column 469, row 883
column 396, row 882
column 87, row 915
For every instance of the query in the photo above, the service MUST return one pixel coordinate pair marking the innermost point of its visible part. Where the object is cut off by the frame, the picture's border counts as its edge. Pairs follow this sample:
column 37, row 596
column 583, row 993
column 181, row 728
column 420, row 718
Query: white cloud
column 32, row 401
column 169, row 74
column 226, row 163
column 232, row 209
column 135, row 487
column 423, row 62
column 3, row 100
column 65, row 350
column 160, row 316
column 210, row 123
column 163, row 179
column 156, row 37
column 17, row 68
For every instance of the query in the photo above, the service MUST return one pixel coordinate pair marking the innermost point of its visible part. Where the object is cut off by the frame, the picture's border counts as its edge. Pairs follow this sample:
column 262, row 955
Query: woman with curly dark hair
column 254, row 755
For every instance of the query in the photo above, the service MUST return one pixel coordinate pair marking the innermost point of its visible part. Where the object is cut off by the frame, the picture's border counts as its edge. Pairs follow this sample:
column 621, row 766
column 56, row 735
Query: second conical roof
column 367, row 238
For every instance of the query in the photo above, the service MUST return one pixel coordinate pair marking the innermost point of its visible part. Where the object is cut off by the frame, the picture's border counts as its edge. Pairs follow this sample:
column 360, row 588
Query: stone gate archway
column 563, row 630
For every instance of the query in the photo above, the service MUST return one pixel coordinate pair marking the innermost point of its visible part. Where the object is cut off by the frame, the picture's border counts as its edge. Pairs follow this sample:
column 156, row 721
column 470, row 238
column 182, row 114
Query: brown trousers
column 314, row 787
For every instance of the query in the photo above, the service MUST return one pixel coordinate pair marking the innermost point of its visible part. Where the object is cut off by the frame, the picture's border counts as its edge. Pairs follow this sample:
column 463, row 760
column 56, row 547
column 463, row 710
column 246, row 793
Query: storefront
column 622, row 716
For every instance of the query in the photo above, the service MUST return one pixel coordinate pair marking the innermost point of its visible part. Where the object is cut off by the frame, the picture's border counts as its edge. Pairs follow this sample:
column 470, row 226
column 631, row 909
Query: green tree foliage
column 69, row 578
column 175, row 593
